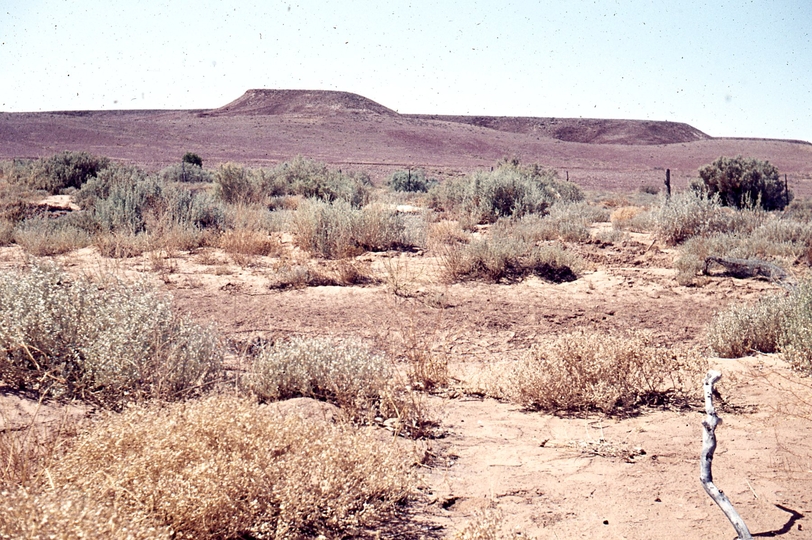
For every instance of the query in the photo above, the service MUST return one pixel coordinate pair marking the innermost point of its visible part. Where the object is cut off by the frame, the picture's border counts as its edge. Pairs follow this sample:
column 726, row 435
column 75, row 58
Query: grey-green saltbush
column 335, row 230
column 484, row 197
column 107, row 342
column 778, row 322
column 364, row 384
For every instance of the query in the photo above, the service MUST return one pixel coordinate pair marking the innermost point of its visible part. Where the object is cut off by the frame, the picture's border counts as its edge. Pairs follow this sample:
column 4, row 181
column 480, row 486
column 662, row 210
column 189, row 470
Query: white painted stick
column 706, row 460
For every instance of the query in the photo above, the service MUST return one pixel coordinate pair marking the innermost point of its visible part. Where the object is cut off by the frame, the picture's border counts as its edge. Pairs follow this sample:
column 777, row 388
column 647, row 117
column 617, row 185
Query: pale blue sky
column 730, row 68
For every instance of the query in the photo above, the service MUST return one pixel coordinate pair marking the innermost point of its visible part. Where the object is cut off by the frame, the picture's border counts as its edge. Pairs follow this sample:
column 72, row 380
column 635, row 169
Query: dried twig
column 706, row 461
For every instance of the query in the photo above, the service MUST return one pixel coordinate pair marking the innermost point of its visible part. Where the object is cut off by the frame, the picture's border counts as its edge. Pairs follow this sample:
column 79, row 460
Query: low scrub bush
column 362, row 383
column 507, row 191
column 43, row 236
column 690, row 214
column 225, row 467
column 568, row 222
column 106, row 342
column 777, row 322
column 299, row 177
column 745, row 183
column 337, row 230
column 743, row 329
column 410, row 181
column 186, row 172
column 506, row 259
column 585, row 371
column 64, row 170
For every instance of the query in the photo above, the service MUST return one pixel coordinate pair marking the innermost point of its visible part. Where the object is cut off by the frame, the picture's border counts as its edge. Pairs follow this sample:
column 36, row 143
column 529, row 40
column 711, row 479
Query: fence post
column 667, row 184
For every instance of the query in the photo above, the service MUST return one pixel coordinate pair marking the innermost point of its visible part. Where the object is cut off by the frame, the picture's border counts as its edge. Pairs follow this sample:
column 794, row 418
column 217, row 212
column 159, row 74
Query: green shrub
column 65, row 170
column 186, row 172
column 690, row 214
column 237, row 185
column 301, row 177
column 507, row 191
column 795, row 342
column 411, row 181
column 777, row 322
column 107, row 342
column 192, row 159
column 742, row 329
column 745, row 183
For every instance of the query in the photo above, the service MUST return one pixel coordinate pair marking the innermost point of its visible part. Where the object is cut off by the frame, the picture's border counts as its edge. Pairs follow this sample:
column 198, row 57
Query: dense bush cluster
column 411, row 181
column 53, row 174
column 299, row 177
column 745, row 183
column 507, row 191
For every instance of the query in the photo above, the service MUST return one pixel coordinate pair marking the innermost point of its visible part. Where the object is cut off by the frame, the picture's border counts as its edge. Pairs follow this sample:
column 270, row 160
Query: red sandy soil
column 550, row 476
column 264, row 127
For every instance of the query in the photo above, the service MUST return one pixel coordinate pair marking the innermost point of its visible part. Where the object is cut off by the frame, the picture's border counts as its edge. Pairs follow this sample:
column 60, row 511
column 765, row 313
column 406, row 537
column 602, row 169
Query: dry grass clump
column 43, row 236
column 484, row 525
column 364, row 384
column 585, row 370
column 631, row 218
column 108, row 342
column 65, row 514
column 506, row 258
column 225, row 467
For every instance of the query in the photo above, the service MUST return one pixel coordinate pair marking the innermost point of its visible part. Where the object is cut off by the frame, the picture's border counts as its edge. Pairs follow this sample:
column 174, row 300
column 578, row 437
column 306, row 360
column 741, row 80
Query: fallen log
column 746, row 268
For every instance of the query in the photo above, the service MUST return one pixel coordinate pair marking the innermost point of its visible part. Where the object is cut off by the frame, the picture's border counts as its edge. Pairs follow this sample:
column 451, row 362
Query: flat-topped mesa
column 584, row 130
column 261, row 102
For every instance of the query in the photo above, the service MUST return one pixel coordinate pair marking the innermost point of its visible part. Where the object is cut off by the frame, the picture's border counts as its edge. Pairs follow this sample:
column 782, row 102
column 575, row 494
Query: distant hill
column 584, row 130
column 300, row 102
column 264, row 127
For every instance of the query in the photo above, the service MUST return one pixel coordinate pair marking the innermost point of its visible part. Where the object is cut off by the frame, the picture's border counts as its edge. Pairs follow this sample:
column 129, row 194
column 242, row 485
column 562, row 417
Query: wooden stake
column 706, row 459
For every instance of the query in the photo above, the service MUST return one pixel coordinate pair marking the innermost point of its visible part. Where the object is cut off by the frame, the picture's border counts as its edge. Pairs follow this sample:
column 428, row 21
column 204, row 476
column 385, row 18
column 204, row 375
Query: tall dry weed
column 225, row 467
column 587, row 370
